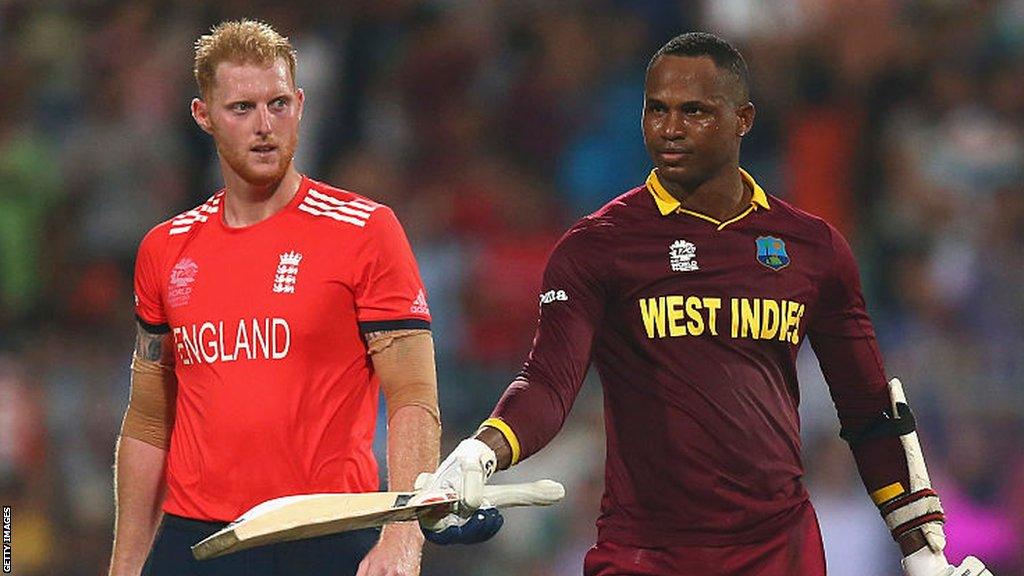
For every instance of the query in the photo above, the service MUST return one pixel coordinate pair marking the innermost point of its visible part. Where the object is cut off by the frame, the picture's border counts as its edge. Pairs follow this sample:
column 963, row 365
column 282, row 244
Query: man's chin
column 261, row 175
column 683, row 176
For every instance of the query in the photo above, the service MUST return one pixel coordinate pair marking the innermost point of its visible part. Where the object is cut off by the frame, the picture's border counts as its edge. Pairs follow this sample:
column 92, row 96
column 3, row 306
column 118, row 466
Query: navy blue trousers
column 333, row 555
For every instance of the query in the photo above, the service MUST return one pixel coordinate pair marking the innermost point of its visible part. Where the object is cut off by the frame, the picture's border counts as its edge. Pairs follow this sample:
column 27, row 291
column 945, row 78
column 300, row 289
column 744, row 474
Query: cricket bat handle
column 911, row 444
column 539, row 493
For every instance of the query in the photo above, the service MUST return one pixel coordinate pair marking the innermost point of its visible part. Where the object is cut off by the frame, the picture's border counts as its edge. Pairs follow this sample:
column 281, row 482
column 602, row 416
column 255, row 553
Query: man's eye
column 240, row 107
column 279, row 103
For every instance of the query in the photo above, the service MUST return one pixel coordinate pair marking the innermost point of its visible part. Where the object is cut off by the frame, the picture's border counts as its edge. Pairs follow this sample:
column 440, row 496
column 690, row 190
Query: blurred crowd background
column 490, row 126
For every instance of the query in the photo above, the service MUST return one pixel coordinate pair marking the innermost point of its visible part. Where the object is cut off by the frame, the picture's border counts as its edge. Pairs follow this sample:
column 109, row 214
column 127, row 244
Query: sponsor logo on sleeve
column 419, row 305
column 682, row 256
column 553, row 296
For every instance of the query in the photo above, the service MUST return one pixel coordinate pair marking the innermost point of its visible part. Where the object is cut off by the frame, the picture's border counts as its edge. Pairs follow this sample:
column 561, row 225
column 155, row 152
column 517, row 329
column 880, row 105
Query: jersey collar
column 667, row 204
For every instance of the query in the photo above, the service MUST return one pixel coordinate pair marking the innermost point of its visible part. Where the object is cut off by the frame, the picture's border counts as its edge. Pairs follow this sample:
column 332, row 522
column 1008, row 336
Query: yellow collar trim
column 667, row 204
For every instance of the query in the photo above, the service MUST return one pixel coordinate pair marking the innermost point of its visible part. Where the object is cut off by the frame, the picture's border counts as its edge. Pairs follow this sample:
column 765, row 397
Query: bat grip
column 539, row 493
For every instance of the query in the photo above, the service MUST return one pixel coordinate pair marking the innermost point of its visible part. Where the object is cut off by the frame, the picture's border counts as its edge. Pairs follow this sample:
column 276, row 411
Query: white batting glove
column 927, row 562
column 464, row 472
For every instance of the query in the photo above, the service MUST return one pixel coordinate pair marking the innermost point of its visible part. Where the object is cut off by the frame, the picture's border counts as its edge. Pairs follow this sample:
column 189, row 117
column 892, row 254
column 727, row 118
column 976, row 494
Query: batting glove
column 480, row 526
column 464, row 472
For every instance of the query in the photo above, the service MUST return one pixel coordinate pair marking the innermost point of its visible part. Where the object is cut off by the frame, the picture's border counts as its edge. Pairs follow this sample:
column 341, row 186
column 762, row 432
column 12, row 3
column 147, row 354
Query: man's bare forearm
column 139, row 486
column 414, row 442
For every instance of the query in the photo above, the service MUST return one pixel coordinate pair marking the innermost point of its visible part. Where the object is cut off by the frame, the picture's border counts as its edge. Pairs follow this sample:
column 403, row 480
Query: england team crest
column 771, row 252
column 286, row 273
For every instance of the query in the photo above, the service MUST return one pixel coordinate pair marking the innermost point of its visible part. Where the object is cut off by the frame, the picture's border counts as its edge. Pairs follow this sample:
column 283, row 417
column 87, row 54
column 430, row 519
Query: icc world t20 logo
column 682, row 256
column 771, row 252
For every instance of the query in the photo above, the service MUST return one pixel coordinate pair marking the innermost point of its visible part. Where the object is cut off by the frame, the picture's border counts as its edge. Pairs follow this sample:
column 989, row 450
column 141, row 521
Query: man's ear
column 201, row 114
column 746, row 115
column 300, row 98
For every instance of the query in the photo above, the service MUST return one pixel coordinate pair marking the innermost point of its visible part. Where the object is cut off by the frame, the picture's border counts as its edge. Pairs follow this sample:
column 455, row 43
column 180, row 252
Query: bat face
column 311, row 515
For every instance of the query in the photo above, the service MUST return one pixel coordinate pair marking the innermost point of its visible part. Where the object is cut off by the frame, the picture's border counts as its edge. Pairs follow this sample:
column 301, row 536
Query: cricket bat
column 311, row 515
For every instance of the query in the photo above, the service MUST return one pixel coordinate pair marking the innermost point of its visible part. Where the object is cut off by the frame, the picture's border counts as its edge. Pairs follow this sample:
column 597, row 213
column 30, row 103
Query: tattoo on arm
column 153, row 347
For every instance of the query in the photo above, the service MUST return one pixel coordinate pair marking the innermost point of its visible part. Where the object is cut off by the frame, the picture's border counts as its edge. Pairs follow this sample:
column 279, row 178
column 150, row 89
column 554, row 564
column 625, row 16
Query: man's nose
column 263, row 120
column 674, row 127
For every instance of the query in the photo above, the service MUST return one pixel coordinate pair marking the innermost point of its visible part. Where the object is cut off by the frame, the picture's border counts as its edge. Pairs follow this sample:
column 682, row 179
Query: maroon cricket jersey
column 694, row 326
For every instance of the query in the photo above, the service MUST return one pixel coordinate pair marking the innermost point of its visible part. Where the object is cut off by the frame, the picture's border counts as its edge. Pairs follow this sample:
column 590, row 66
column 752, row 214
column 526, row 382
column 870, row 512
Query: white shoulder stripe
column 363, row 205
column 183, row 222
column 332, row 214
column 330, row 207
column 354, row 203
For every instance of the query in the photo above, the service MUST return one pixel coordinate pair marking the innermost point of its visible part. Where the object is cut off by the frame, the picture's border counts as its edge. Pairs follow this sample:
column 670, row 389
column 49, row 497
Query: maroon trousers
column 794, row 552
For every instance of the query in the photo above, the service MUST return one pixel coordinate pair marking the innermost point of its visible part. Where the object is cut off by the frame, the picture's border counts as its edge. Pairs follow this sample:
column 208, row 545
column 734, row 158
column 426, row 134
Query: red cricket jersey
column 694, row 326
column 276, row 393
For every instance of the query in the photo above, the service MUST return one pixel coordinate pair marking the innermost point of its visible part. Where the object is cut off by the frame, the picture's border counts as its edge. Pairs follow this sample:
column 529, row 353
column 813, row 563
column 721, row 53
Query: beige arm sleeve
column 404, row 361
column 150, row 413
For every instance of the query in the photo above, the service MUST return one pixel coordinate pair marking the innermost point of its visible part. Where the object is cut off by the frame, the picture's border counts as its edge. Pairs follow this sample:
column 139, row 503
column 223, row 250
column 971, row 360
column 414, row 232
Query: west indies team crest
column 771, row 252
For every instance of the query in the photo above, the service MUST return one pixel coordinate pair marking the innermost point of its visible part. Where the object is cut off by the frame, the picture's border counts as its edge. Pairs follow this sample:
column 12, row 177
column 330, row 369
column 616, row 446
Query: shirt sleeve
column 572, row 302
column 844, row 342
column 149, row 301
column 389, row 293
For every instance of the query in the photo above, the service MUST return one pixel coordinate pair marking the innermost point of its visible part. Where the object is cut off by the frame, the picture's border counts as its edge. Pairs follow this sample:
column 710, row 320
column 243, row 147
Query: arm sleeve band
column 150, row 413
column 509, row 434
column 404, row 361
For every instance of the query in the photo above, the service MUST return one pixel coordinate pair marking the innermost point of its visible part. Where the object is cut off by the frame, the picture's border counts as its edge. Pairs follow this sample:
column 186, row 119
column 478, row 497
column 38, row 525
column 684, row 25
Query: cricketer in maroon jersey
column 694, row 331
column 692, row 294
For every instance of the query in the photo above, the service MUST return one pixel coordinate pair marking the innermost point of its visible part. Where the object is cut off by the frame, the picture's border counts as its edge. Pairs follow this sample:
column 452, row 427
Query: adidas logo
column 419, row 305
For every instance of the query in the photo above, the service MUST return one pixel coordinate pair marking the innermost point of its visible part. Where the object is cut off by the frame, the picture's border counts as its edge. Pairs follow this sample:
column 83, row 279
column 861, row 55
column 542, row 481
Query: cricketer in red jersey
column 269, row 319
column 691, row 294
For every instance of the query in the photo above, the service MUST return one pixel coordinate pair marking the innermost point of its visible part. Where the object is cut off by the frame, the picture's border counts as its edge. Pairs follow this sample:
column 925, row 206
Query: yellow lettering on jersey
column 712, row 304
column 790, row 321
column 734, row 309
column 769, row 319
column 653, row 312
column 676, row 313
column 750, row 318
column 696, row 324
column 784, row 320
column 753, row 318
column 795, row 339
